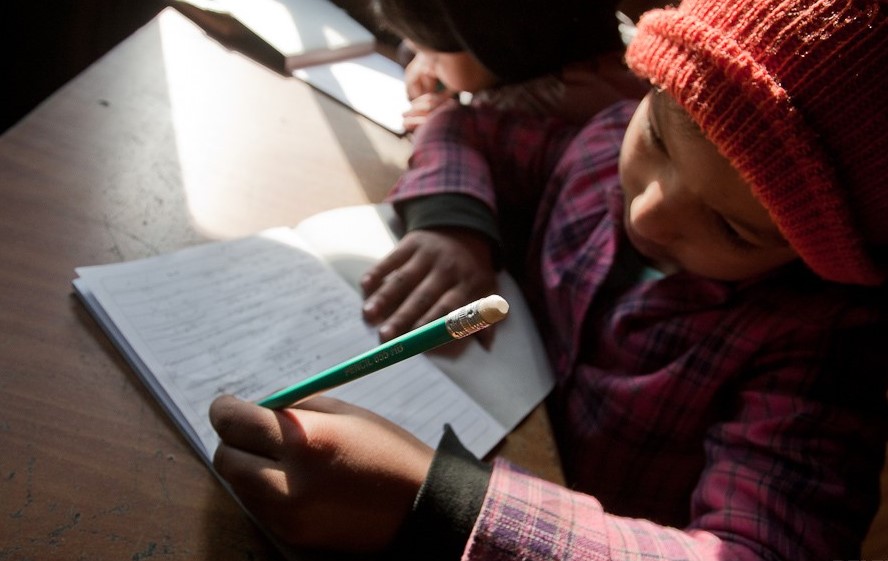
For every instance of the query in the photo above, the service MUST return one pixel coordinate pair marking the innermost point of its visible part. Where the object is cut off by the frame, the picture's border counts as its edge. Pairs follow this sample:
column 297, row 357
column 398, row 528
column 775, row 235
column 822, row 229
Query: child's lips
column 646, row 247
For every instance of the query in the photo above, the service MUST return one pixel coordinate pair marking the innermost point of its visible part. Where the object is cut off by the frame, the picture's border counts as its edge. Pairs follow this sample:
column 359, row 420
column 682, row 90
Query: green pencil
column 457, row 324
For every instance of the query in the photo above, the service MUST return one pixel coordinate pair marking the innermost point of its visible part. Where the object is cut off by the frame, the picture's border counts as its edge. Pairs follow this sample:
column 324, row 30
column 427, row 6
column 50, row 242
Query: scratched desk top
column 169, row 140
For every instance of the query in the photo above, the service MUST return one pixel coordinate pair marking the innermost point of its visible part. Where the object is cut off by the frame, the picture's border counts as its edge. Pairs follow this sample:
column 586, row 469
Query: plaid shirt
column 696, row 419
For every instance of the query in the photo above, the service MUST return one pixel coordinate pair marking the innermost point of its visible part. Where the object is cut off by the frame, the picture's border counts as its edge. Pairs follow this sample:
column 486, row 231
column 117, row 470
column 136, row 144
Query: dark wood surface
column 169, row 140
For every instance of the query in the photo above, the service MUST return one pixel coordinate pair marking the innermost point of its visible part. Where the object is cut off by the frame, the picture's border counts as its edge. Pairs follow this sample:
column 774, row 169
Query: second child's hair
column 424, row 22
column 514, row 39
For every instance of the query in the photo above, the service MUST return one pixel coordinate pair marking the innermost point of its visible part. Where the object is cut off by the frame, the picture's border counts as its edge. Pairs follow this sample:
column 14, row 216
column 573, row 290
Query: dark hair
column 514, row 39
column 425, row 22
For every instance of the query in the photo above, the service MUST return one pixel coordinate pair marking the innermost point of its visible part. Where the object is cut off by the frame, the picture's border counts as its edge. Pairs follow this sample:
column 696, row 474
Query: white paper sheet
column 251, row 316
column 372, row 85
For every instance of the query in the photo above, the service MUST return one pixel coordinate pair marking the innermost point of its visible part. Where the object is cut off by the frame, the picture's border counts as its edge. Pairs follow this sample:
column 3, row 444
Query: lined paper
column 253, row 315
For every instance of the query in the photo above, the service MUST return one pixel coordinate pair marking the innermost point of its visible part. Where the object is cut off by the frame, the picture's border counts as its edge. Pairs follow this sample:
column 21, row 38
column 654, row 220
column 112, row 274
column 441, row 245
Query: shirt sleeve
column 447, row 210
column 527, row 518
column 446, row 506
column 494, row 157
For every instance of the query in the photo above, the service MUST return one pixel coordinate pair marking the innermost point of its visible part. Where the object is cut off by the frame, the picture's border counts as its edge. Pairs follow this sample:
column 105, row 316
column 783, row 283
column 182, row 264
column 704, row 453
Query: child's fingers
column 412, row 123
column 397, row 287
column 419, row 76
column 372, row 280
column 435, row 297
column 421, row 85
column 425, row 104
column 400, row 304
column 251, row 476
column 249, row 427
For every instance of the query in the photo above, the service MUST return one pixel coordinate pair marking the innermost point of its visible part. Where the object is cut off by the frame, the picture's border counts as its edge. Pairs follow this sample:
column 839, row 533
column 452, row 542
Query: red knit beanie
column 795, row 94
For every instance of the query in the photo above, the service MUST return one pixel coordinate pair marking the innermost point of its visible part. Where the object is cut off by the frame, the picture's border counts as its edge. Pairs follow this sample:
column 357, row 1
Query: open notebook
column 252, row 315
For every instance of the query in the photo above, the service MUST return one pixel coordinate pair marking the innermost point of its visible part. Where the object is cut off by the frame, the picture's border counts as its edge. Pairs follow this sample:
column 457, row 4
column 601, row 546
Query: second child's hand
column 422, row 106
column 429, row 273
column 420, row 77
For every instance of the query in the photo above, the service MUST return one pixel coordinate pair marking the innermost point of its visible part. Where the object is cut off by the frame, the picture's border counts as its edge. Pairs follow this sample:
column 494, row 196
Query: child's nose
column 654, row 214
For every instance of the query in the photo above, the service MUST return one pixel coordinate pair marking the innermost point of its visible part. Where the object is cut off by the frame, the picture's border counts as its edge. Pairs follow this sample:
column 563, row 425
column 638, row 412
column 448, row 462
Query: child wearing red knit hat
column 708, row 270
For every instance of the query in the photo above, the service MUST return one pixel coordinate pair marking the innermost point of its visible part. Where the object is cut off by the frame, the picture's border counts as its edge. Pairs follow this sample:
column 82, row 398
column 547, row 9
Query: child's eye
column 654, row 137
column 733, row 236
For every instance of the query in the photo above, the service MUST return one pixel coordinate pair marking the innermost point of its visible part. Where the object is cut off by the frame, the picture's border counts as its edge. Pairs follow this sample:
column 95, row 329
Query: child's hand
column 422, row 106
column 419, row 76
column 324, row 474
column 424, row 90
column 429, row 274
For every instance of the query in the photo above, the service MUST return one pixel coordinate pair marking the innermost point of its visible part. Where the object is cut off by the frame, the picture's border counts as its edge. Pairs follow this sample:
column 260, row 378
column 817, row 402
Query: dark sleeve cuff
column 446, row 506
column 448, row 210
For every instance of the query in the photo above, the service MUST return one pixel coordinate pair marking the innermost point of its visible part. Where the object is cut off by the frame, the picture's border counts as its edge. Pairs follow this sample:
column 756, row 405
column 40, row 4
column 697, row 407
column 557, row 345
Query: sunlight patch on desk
column 255, row 150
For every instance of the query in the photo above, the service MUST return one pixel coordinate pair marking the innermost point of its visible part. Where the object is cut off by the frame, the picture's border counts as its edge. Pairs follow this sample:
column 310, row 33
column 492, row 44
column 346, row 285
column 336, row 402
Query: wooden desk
column 167, row 141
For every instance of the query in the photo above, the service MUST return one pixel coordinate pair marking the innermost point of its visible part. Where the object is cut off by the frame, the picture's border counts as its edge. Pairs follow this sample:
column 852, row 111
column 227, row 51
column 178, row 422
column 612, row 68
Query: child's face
column 459, row 71
column 687, row 208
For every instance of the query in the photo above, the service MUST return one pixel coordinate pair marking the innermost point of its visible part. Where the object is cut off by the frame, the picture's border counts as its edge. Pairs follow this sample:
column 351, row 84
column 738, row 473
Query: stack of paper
column 303, row 32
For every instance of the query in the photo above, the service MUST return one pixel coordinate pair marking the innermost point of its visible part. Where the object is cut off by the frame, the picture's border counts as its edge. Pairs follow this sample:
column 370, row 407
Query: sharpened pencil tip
column 493, row 308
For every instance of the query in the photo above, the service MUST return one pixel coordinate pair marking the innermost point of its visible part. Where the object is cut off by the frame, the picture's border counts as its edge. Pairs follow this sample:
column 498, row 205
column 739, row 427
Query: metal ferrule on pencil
column 465, row 321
